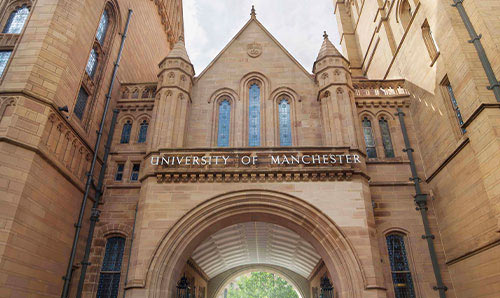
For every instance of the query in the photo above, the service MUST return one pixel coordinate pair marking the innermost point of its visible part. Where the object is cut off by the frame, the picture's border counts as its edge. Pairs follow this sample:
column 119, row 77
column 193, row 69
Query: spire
column 328, row 49
column 179, row 50
column 252, row 12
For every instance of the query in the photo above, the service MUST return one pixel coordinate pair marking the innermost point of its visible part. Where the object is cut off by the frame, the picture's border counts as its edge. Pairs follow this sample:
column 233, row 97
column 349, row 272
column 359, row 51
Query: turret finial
column 325, row 35
column 252, row 12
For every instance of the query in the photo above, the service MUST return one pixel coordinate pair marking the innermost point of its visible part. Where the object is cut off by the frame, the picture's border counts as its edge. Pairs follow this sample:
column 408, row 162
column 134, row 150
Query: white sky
column 297, row 24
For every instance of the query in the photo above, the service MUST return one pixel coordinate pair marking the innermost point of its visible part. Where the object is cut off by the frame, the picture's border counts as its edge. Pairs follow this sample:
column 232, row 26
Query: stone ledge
column 258, row 176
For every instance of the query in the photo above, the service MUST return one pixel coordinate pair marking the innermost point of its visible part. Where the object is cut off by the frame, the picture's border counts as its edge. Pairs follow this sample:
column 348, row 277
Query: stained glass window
column 119, row 172
column 81, row 103
column 369, row 139
column 285, row 123
column 400, row 269
column 143, row 132
column 127, row 129
column 92, row 63
column 109, row 281
column 135, row 172
column 455, row 107
column 254, row 116
column 4, row 58
column 103, row 27
column 16, row 20
column 386, row 138
column 224, row 124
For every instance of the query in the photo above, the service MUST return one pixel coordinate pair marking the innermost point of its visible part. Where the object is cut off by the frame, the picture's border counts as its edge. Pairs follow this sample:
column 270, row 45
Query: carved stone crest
column 254, row 50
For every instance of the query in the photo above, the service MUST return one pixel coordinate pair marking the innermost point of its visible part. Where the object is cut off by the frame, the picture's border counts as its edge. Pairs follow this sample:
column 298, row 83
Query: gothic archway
column 255, row 205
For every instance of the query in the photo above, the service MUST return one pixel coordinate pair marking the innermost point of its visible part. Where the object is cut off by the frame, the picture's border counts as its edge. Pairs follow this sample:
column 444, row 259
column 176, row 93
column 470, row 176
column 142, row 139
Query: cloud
column 297, row 24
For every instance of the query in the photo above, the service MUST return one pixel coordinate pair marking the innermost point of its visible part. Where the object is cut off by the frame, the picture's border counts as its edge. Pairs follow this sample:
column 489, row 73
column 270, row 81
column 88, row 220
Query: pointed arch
column 277, row 96
column 341, row 260
column 263, row 85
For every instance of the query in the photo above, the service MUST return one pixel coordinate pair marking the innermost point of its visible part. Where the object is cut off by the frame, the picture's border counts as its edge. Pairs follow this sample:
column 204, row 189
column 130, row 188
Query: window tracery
column 17, row 19
column 371, row 151
column 400, row 268
column 109, row 279
column 224, row 123
column 143, row 132
column 386, row 138
column 285, row 126
column 254, row 116
column 126, row 130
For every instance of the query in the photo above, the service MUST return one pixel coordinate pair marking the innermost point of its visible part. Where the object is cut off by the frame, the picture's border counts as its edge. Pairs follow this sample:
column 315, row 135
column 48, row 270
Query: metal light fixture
column 183, row 288
column 326, row 288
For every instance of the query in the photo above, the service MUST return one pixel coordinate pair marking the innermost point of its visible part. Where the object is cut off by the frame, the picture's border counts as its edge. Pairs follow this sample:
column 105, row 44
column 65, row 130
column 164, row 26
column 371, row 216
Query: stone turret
column 173, row 99
column 338, row 109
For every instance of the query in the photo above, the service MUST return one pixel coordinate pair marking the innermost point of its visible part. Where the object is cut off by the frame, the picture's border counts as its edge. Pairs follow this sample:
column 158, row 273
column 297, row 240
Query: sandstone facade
column 181, row 197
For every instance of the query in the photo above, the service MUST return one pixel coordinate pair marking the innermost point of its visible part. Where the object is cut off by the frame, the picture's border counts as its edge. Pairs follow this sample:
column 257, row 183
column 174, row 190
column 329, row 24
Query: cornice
column 254, row 175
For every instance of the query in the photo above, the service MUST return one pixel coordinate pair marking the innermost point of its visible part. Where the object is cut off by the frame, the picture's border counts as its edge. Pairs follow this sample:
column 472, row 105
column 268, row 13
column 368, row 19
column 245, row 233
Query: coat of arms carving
column 254, row 50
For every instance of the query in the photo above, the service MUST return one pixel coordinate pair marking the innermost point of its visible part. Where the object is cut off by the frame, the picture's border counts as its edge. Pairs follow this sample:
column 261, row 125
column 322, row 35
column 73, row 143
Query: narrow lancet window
column 285, row 123
column 386, row 138
column 103, row 27
column 371, row 151
column 254, row 116
column 81, row 103
column 4, row 59
column 109, row 280
column 400, row 269
column 455, row 107
column 92, row 63
column 127, row 128
column 143, row 132
column 16, row 20
column 224, row 124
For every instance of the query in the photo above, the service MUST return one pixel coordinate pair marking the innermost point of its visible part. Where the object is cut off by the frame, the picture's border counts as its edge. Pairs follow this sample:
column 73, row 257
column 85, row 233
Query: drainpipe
column 130, row 250
column 421, row 202
column 95, row 213
column 476, row 40
column 90, row 174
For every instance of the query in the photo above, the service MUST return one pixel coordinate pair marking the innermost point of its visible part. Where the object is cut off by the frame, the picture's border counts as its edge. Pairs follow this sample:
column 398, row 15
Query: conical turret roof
column 179, row 50
column 328, row 49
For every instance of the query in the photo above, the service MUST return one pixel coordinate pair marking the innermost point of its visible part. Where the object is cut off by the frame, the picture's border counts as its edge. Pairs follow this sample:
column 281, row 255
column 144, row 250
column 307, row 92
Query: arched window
column 81, row 103
column 224, row 124
column 103, row 27
column 143, row 132
column 109, row 280
column 92, row 63
column 386, row 138
column 254, row 116
column 285, row 123
column 371, row 151
column 4, row 59
column 127, row 128
column 400, row 269
column 16, row 20
column 405, row 13
column 98, row 53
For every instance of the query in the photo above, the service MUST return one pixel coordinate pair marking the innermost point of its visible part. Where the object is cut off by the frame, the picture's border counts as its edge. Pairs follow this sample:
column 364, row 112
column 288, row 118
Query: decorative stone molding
column 384, row 103
column 373, row 88
column 65, row 148
column 254, row 50
column 264, row 170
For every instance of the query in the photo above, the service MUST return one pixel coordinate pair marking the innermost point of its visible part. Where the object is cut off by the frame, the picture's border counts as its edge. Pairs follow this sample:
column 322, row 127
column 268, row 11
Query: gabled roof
column 253, row 19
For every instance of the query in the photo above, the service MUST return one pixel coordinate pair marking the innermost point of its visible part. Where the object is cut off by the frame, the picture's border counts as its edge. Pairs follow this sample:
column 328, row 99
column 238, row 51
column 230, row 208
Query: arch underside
column 283, row 210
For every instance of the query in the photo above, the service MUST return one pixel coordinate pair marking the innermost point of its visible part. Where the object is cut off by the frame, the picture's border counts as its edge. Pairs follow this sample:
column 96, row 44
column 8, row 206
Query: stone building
column 255, row 164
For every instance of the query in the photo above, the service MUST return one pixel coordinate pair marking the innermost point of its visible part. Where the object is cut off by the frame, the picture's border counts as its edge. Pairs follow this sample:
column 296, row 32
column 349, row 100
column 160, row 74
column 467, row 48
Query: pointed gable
column 261, row 35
